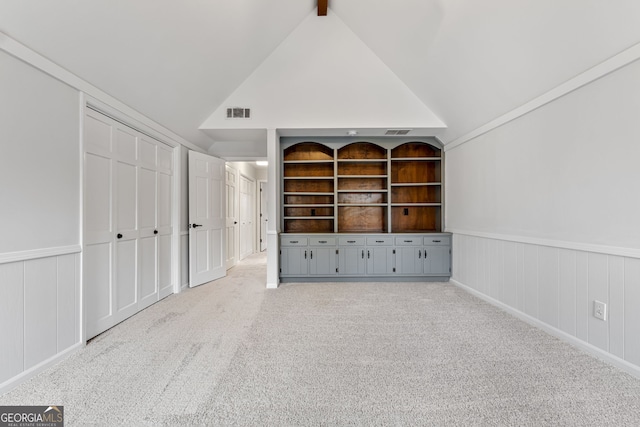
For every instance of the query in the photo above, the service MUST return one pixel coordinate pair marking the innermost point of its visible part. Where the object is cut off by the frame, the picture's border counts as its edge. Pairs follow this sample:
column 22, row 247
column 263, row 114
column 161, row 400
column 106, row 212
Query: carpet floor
column 313, row 354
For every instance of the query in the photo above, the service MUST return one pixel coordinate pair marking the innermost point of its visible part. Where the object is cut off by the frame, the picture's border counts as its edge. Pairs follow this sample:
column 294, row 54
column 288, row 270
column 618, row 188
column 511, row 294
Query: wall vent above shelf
column 397, row 131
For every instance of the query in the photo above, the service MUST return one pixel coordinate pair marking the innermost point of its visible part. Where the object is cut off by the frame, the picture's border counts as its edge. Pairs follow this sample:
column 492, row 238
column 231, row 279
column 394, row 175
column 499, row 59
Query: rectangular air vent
column 238, row 113
column 397, row 131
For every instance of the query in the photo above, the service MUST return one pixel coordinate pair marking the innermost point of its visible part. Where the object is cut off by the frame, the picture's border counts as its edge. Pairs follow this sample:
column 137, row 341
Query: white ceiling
column 176, row 62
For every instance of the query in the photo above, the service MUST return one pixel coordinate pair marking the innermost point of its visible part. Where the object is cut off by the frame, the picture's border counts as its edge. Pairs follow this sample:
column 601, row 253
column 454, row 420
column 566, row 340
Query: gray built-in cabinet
column 363, row 210
column 372, row 257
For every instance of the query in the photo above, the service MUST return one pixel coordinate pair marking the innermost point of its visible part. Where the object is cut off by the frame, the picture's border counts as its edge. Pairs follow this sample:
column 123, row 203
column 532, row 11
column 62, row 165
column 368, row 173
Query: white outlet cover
column 599, row 310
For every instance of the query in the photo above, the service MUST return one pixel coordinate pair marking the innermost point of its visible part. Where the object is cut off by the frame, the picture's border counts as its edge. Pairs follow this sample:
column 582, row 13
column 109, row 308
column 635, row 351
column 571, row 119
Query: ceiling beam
column 322, row 7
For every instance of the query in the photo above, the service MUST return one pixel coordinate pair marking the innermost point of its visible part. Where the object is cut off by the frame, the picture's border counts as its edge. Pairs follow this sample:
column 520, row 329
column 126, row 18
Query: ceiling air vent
column 397, row 131
column 238, row 113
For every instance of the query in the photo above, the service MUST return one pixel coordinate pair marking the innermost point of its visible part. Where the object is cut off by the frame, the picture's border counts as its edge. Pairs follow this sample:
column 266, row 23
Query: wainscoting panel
column 557, row 287
column 39, row 313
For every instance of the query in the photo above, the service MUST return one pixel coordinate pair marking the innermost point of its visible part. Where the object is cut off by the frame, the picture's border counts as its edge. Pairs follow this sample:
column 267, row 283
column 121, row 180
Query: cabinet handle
column 351, row 241
column 119, row 236
column 311, row 254
column 363, row 254
column 419, row 254
column 293, row 241
column 379, row 241
column 305, row 254
column 155, row 231
column 322, row 241
column 368, row 254
column 408, row 241
column 425, row 254
column 436, row 241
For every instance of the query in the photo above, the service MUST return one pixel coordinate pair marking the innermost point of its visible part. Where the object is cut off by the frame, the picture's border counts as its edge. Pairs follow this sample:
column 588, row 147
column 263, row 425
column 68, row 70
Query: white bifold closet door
column 127, row 222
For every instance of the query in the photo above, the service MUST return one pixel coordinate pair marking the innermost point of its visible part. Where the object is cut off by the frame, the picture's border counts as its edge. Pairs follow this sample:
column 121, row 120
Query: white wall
column 39, row 161
column 545, row 213
column 40, row 219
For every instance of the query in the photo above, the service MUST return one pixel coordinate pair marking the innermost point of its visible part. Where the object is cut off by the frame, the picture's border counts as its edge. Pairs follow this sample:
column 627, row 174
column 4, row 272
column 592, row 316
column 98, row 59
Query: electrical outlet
column 599, row 310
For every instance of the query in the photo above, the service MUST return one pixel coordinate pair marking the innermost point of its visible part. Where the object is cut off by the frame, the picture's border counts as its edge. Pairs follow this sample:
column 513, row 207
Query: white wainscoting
column 39, row 314
column 184, row 260
column 555, row 288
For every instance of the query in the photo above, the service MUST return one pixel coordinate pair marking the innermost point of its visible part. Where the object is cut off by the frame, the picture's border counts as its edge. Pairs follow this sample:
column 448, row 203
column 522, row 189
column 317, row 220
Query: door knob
column 235, row 222
column 119, row 236
column 196, row 225
column 155, row 231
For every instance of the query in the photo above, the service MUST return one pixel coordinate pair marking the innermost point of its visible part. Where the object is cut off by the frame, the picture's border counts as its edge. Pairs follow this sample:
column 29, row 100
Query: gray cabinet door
column 352, row 261
column 437, row 261
column 322, row 261
column 380, row 260
column 410, row 260
column 293, row 262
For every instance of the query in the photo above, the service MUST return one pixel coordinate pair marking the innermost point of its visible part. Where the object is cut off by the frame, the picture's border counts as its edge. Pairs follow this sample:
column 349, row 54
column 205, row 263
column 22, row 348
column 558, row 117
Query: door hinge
column 281, row 252
column 260, row 240
column 280, row 270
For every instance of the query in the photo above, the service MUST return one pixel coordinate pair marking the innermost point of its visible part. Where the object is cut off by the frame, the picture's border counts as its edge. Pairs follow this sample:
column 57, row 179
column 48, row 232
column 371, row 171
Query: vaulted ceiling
column 465, row 61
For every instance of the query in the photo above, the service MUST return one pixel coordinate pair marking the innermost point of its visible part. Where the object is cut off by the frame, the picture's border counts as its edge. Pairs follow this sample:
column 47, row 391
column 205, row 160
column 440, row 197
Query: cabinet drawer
column 322, row 241
column 380, row 241
column 409, row 241
column 294, row 241
column 437, row 240
column 351, row 241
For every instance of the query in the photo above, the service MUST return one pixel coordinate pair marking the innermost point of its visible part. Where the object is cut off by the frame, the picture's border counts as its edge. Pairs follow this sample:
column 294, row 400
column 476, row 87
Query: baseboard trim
column 39, row 253
column 40, row 367
column 584, row 247
column 615, row 361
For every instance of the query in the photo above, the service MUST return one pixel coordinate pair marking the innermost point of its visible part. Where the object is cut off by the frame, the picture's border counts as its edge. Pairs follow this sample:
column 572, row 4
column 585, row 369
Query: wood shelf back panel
column 415, row 149
column 362, row 150
column 308, row 225
column 420, row 219
column 308, row 211
column 308, row 186
column 290, row 199
column 308, row 151
column 418, row 171
column 362, row 183
column 362, row 198
column 354, row 168
column 308, row 169
column 426, row 194
column 362, row 219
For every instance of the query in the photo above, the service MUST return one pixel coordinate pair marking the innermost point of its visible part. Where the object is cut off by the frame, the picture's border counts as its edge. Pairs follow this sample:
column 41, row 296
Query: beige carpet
column 233, row 353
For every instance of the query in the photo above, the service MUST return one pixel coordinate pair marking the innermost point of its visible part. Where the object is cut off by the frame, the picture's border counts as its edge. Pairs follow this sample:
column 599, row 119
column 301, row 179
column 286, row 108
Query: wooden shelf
column 362, row 187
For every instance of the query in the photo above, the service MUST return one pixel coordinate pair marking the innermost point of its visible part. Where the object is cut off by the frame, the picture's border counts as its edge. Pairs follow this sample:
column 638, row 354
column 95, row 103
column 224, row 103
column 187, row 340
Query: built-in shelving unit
column 362, row 187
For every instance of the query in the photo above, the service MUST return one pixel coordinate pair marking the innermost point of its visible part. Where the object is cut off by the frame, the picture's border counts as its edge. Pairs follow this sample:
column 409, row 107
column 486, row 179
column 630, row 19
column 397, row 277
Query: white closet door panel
column 164, row 266
column 147, row 153
column 126, row 145
column 11, row 319
column 202, row 258
column 97, row 130
column 126, row 198
column 126, row 283
column 146, row 199
column 164, row 201
column 40, row 313
column 67, row 305
column 97, row 286
column 165, row 159
column 202, row 203
column 147, row 271
column 97, row 199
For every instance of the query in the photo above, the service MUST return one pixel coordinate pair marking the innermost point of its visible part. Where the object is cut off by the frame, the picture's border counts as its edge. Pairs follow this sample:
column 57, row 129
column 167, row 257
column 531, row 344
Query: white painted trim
column 570, row 339
column 576, row 246
column 40, row 367
column 39, row 253
column 184, row 233
column 23, row 53
column 608, row 66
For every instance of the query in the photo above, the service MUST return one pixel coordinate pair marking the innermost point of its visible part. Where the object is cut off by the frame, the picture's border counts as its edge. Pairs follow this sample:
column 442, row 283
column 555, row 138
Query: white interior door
column 207, row 219
column 232, row 216
column 247, row 209
column 263, row 216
